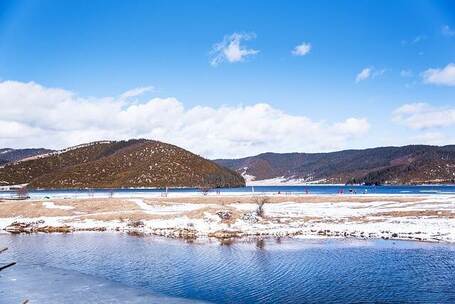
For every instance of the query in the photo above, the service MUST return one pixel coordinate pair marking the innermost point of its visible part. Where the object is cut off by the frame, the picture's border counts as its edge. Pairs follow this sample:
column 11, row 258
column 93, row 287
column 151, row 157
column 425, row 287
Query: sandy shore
column 425, row 218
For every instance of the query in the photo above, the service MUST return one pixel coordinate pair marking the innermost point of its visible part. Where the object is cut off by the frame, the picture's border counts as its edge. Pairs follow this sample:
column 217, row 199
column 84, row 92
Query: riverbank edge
column 223, row 236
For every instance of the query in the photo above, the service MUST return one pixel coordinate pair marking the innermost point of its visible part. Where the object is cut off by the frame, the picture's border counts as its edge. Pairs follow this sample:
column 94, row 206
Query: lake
column 119, row 268
column 309, row 189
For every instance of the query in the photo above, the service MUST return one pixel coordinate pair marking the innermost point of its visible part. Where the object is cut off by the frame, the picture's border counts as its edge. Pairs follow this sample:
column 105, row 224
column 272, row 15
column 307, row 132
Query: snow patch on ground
column 51, row 205
column 167, row 209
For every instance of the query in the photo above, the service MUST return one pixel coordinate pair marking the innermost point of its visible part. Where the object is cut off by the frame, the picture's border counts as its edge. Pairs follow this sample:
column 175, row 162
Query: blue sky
column 95, row 49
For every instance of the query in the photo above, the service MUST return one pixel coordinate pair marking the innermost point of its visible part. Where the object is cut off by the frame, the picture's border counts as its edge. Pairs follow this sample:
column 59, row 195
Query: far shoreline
column 6, row 188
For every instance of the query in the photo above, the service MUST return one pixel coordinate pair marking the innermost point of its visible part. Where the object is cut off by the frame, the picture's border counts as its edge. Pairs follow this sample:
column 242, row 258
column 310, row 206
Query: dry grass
column 123, row 209
column 35, row 208
column 29, row 209
column 99, row 205
column 122, row 216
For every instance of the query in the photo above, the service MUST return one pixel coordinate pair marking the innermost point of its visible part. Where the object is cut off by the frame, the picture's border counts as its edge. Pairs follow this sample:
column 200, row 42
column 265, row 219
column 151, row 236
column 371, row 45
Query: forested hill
column 415, row 164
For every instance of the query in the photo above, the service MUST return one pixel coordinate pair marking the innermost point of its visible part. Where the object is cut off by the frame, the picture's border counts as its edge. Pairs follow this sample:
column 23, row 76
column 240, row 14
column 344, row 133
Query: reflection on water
column 117, row 268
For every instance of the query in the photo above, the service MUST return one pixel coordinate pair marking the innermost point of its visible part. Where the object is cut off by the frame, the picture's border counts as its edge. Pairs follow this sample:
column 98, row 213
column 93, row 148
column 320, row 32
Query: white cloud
column 231, row 50
column 447, row 31
column 14, row 130
column 431, row 138
column 136, row 92
column 363, row 75
column 424, row 116
column 444, row 76
column 302, row 49
column 368, row 73
column 354, row 126
column 37, row 116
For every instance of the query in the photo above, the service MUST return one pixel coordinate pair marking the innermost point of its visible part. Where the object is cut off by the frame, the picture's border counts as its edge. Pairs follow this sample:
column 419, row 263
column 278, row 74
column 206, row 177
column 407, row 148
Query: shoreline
column 225, row 239
column 259, row 183
column 417, row 217
column 204, row 240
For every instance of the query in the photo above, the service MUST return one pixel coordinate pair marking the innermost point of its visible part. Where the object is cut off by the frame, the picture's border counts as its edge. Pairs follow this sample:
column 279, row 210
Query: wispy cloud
column 415, row 40
column 406, row 73
column 302, row 49
column 440, row 76
column 447, row 31
column 422, row 115
column 136, row 92
column 419, row 39
column 369, row 72
column 231, row 49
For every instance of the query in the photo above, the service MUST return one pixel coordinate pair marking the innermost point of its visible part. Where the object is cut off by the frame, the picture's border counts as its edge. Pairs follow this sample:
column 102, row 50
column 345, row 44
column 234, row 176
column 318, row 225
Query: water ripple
column 251, row 271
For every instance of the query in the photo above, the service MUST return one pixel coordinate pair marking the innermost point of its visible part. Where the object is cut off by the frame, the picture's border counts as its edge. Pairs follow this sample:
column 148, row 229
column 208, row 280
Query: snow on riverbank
column 51, row 205
column 419, row 218
column 167, row 209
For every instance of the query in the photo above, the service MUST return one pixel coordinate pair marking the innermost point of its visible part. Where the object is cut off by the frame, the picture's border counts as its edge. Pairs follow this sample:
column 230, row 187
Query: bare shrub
column 260, row 201
column 136, row 224
column 224, row 214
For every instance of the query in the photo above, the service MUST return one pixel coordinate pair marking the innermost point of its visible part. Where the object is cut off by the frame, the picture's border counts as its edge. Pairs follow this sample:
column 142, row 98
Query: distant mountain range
column 416, row 164
column 113, row 164
column 147, row 163
column 11, row 155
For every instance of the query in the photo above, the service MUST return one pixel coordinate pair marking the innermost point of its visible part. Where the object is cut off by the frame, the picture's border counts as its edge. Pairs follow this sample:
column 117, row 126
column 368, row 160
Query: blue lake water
column 118, row 268
column 310, row 189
